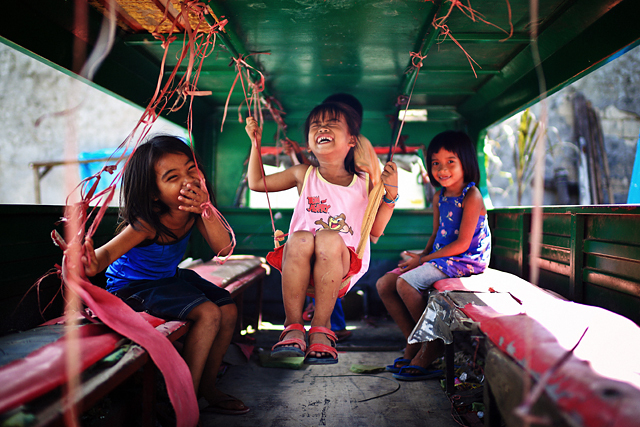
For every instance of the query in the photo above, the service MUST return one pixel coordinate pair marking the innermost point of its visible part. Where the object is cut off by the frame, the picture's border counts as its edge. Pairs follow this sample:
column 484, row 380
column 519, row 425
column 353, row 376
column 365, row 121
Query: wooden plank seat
column 32, row 363
column 528, row 330
column 33, row 374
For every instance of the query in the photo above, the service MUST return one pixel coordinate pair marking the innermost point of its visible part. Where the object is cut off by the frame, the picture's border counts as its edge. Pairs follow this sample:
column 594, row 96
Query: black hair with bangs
column 139, row 193
column 336, row 110
column 460, row 144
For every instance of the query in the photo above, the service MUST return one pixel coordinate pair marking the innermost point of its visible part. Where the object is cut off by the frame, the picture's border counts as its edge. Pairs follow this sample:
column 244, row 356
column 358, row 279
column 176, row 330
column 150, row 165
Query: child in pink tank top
column 325, row 228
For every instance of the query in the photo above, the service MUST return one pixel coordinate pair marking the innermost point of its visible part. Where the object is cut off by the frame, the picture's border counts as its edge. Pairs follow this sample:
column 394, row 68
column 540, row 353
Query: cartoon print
column 317, row 205
column 336, row 223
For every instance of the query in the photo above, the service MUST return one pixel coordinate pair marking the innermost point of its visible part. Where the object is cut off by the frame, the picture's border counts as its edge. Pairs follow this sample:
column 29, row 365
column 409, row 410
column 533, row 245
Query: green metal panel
column 614, row 228
column 559, row 224
column 576, row 290
column 26, row 254
column 612, row 250
column 555, row 282
column 555, row 240
column 556, row 254
column 612, row 300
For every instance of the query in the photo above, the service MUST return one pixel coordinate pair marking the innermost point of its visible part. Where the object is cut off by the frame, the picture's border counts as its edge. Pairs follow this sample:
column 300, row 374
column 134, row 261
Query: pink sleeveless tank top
column 326, row 205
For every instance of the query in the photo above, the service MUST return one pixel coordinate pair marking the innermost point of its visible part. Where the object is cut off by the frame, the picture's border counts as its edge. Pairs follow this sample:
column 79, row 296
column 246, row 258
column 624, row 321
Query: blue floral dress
column 475, row 259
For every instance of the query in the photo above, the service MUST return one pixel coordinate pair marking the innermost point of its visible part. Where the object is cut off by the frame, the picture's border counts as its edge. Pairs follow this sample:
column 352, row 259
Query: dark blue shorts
column 173, row 297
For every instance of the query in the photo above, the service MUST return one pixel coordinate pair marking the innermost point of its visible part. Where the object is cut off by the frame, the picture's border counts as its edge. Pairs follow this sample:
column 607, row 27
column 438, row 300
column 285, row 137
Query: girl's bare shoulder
column 473, row 192
column 474, row 198
column 142, row 229
column 299, row 172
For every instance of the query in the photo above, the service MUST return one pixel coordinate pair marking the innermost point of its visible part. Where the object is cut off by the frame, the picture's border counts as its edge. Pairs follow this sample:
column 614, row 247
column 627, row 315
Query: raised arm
column 289, row 178
column 194, row 199
column 389, row 177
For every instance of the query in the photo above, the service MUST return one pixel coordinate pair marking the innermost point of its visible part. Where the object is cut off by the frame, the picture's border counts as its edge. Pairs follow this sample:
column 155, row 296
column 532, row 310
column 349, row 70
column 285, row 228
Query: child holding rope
column 459, row 246
column 325, row 227
column 163, row 197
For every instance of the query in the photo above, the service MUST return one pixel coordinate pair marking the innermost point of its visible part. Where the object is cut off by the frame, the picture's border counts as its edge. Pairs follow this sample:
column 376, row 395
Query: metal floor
column 333, row 395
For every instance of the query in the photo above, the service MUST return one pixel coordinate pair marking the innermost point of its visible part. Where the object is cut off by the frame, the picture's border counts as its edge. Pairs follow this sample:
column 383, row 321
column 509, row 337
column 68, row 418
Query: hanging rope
column 440, row 24
column 253, row 98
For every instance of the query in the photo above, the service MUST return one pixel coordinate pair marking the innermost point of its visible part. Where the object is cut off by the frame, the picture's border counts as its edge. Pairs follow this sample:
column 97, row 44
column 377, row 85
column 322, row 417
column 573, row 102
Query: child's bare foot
column 321, row 339
column 291, row 343
column 321, row 346
column 429, row 352
column 222, row 403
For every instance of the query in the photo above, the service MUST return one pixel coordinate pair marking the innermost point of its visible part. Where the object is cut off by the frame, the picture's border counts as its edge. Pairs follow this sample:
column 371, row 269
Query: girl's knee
column 329, row 243
column 229, row 313
column 205, row 313
column 300, row 243
column 386, row 285
column 404, row 286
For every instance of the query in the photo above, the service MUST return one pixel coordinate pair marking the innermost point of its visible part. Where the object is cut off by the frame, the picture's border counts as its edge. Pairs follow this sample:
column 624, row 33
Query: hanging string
column 254, row 100
column 440, row 25
column 416, row 63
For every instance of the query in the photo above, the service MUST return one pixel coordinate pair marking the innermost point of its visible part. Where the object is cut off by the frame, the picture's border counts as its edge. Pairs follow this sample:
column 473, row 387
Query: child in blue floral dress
column 459, row 246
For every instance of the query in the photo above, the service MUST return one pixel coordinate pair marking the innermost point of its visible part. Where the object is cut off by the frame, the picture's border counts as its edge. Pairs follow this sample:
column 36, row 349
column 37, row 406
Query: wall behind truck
column 38, row 125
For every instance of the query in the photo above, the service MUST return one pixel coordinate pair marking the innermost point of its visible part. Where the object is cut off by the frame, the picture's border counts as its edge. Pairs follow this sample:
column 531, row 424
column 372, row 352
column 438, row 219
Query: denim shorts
column 172, row 297
column 422, row 277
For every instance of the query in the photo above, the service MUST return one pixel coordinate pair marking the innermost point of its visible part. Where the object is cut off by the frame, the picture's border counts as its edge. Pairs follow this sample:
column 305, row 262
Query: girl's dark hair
column 461, row 145
column 336, row 110
column 139, row 194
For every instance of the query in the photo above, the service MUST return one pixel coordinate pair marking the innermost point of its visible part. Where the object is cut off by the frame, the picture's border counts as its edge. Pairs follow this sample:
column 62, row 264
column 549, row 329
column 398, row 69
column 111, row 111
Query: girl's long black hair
column 461, row 145
column 139, row 194
column 336, row 110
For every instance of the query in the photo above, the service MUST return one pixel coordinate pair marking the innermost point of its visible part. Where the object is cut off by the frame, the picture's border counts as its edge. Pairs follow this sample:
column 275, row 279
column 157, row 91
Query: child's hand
column 89, row 258
column 389, row 177
column 290, row 147
column 254, row 131
column 412, row 262
column 192, row 198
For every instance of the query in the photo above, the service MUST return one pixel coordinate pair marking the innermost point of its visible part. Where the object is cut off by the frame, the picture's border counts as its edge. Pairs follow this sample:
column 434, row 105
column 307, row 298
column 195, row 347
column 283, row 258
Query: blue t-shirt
column 475, row 259
column 146, row 262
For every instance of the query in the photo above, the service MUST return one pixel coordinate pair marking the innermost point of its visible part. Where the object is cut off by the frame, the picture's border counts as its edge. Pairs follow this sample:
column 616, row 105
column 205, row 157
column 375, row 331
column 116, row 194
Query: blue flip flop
column 395, row 369
column 424, row 374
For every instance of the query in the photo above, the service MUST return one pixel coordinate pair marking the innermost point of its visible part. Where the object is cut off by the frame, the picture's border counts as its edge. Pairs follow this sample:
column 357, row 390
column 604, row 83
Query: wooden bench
column 236, row 275
column 32, row 362
column 528, row 330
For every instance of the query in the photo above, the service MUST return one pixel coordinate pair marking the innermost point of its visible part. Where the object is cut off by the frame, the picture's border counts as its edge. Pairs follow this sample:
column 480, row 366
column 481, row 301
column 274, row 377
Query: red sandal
column 322, row 348
column 283, row 348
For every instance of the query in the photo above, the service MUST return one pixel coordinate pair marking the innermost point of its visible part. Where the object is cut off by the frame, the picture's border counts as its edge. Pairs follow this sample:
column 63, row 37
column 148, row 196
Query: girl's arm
column 414, row 259
column 97, row 260
column 291, row 177
column 193, row 199
column 215, row 234
column 473, row 207
column 389, row 176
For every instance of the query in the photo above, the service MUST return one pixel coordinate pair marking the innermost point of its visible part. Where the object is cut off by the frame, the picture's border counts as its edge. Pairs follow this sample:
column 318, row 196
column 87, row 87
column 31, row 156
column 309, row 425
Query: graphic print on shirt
column 335, row 223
